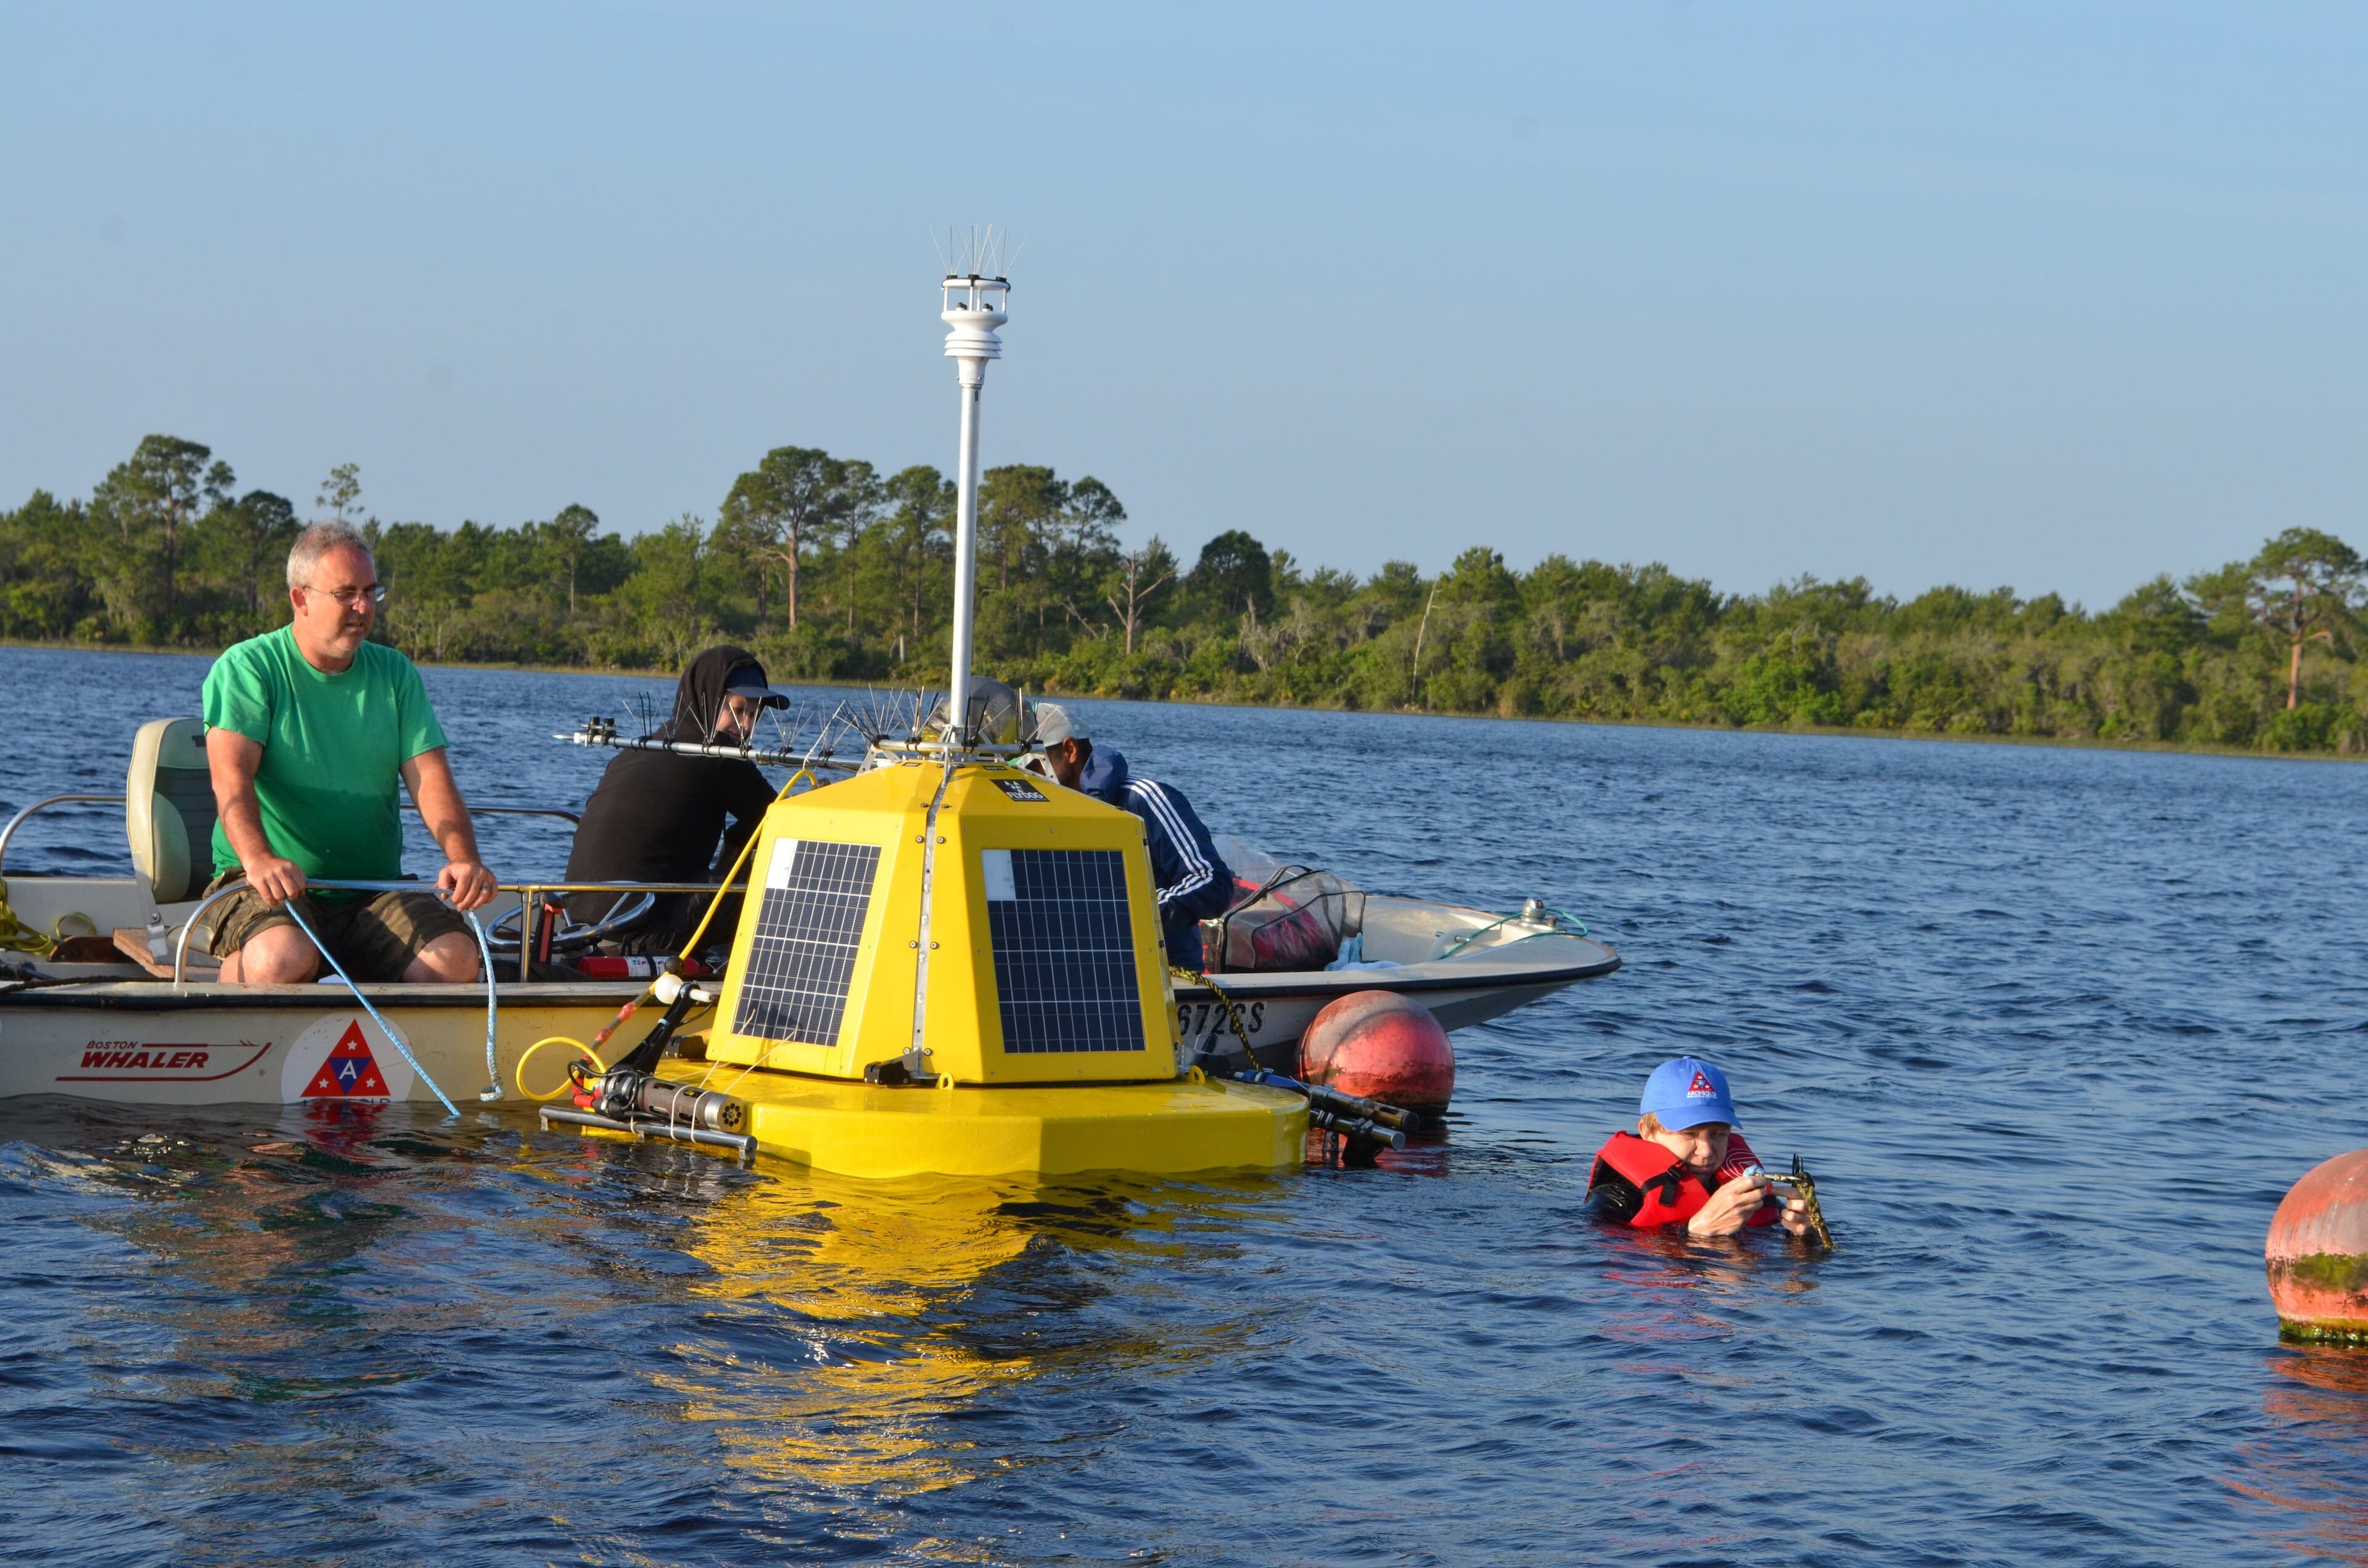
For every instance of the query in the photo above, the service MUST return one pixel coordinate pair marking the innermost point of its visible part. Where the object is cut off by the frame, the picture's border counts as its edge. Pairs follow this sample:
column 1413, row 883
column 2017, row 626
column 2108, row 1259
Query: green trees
column 47, row 590
column 1235, row 576
column 915, row 553
column 830, row 572
column 671, row 594
column 151, row 497
column 564, row 541
column 341, row 492
column 162, row 553
column 1019, row 505
column 2302, row 587
column 243, row 545
column 1081, row 545
column 1138, row 586
column 797, row 500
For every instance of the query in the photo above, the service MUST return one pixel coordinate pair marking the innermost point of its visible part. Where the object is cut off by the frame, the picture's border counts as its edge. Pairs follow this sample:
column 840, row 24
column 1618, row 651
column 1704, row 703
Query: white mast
column 974, row 309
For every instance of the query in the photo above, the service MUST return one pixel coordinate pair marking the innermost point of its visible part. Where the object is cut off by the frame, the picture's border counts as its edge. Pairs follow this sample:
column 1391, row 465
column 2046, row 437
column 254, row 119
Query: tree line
column 832, row 571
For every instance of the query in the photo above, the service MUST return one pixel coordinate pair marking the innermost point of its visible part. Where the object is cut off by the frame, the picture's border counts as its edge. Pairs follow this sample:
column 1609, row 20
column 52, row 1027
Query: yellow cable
column 730, row 877
column 563, row 1082
column 700, row 929
column 15, row 937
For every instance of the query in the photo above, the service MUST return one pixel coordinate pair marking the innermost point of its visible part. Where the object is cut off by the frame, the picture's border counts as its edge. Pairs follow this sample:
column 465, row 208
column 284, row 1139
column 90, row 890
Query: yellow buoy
column 945, row 964
column 958, row 968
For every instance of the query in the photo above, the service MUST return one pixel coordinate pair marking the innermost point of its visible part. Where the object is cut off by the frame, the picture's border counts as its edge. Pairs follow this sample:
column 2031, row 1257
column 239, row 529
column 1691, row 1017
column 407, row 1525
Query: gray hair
column 316, row 541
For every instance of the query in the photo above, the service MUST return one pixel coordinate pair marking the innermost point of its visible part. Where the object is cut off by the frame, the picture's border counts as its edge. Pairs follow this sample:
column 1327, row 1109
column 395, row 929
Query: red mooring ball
column 1381, row 1046
column 2317, row 1252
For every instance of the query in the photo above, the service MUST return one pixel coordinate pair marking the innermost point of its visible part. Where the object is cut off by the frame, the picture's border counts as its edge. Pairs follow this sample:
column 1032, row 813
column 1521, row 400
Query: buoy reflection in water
column 890, row 1306
column 2317, row 1411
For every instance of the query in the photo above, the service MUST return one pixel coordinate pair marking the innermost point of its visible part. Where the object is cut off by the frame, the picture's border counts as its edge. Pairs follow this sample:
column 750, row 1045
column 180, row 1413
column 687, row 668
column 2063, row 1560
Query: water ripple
column 2056, row 1028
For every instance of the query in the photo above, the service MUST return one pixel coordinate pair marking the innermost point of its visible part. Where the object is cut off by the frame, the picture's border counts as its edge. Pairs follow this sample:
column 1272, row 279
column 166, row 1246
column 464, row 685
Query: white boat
column 113, row 1030
column 1465, row 965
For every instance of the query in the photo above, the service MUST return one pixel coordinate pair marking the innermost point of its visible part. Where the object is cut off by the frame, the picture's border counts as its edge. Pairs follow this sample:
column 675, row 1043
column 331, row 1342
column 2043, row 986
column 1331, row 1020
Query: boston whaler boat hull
column 1493, row 966
column 145, row 1041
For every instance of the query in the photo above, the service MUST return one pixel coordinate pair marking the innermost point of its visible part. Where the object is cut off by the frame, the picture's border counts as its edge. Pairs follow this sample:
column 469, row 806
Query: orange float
column 1384, row 1047
column 2317, row 1253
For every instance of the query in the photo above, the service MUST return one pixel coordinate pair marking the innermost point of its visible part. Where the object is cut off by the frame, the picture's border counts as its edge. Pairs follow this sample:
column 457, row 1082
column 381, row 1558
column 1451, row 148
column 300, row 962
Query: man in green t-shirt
column 308, row 728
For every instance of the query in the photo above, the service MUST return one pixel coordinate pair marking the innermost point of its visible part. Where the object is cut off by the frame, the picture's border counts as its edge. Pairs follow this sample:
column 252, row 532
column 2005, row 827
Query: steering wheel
column 630, row 910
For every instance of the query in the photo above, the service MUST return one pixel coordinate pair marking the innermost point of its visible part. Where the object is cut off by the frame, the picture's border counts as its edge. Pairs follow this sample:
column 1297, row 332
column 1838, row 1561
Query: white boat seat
column 168, row 809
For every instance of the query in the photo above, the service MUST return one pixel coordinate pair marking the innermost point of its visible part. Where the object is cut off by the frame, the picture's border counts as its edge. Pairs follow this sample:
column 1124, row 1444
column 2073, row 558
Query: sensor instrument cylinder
column 971, row 315
column 974, row 373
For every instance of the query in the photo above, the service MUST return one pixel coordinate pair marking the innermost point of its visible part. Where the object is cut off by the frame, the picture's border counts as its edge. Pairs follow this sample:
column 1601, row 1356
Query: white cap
column 1054, row 724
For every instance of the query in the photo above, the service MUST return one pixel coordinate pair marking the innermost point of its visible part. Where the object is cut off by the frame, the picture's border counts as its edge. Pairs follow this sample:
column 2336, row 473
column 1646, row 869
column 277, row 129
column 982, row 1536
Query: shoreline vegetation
column 1852, row 732
column 2072, row 742
column 832, row 572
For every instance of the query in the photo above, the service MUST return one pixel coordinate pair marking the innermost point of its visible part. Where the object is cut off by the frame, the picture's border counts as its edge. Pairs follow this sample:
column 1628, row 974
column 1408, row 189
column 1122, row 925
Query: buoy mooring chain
column 644, row 1107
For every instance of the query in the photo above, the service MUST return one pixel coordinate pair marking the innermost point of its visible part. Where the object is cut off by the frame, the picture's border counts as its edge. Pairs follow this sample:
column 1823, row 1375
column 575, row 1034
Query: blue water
column 2056, row 1029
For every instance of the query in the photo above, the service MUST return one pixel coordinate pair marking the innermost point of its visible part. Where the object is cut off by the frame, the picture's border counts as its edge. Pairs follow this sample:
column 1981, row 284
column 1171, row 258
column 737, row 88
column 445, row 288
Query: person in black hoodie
column 657, row 817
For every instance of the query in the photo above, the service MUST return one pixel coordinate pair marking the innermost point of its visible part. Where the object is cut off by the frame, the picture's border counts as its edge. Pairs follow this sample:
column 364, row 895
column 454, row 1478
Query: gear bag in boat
column 1284, row 916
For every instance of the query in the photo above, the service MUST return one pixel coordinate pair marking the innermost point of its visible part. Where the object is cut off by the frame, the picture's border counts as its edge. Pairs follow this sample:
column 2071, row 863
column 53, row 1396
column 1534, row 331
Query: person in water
column 1687, row 1164
column 1193, row 880
column 658, row 816
column 309, row 732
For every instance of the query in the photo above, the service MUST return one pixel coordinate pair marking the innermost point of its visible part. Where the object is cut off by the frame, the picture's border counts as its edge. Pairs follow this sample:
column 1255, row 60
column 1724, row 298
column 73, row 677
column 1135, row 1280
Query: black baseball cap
column 748, row 681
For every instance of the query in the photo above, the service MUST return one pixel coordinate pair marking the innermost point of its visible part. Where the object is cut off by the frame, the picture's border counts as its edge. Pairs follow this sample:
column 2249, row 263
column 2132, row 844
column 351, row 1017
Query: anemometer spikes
column 980, row 253
column 651, row 709
column 872, row 720
column 788, row 723
column 826, row 737
column 894, row 714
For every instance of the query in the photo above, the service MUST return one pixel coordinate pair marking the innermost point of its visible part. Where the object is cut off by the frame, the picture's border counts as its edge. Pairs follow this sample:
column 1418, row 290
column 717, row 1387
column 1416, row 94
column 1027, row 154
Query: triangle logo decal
column 348, row 1072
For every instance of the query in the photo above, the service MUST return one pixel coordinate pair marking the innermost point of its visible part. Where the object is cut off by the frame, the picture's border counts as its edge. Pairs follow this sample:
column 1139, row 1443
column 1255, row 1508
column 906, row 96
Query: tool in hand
column 1805, row 1186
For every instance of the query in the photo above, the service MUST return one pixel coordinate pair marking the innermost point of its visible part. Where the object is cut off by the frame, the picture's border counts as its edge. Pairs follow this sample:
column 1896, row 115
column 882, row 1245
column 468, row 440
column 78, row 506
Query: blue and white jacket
column 1194, row 882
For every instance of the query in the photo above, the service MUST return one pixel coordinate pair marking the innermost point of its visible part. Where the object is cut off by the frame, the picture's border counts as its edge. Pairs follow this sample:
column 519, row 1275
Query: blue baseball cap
column 1685, row 1092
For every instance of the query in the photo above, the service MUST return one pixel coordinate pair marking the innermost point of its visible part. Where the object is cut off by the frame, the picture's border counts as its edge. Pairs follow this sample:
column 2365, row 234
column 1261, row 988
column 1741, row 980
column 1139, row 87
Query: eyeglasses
column 375, row 594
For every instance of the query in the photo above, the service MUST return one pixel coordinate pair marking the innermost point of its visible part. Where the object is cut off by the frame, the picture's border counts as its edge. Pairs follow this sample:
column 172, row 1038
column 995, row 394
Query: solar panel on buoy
column 1064, row 947
column 803, row 954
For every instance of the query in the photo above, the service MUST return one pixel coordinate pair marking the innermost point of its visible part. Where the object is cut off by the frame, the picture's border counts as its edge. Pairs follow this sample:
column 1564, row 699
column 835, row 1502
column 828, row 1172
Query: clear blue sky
column 2055, row 296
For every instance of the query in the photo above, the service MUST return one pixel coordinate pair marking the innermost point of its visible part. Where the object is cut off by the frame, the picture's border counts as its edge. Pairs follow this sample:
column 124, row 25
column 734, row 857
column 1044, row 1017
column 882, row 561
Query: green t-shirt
column 328, row 783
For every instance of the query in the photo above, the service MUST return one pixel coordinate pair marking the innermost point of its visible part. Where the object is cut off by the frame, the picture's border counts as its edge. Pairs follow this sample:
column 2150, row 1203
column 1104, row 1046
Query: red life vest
column 1673, row 1193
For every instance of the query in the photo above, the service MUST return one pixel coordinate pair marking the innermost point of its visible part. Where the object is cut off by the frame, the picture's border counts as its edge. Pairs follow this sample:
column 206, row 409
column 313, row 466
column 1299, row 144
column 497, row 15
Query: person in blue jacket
column 1194, row 882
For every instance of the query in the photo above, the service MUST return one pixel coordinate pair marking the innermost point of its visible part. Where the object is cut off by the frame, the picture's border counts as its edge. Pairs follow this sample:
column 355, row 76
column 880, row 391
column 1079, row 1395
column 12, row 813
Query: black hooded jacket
column 656, row 817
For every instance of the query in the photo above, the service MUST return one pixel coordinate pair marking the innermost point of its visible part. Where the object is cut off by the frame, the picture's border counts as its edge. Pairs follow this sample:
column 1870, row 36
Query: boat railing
column 575, row 817
column 9, row 832
column 17, row 820
column 529, row 898
column 531, row 903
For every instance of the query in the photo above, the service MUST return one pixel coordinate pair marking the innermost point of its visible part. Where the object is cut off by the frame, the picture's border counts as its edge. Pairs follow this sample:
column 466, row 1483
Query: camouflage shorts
column 375, row 936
